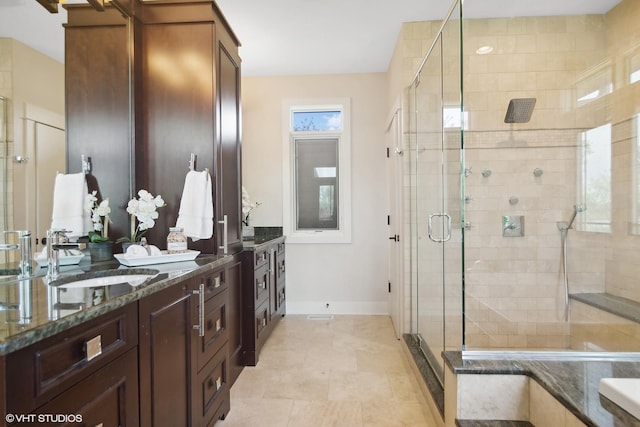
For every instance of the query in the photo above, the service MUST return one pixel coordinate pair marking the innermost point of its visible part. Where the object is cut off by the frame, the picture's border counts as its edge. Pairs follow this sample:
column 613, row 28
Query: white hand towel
column 196, row 206
column 68, row 212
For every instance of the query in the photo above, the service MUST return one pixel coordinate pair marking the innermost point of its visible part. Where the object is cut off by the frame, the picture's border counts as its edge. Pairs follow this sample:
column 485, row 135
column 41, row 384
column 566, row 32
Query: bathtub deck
column 574, row 383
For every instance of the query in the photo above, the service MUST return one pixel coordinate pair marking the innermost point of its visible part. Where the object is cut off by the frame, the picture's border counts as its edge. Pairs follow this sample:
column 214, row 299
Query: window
column 453, row 118
column 595, row 179
column 316, row 175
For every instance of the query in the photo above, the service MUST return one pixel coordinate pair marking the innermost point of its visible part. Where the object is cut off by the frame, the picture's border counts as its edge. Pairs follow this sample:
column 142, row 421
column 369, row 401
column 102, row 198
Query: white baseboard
column 338, row 307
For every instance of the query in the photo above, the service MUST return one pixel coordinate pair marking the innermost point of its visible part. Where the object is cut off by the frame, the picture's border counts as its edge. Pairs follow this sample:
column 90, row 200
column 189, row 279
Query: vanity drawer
column 43, row 370
column 212, row 390
column 260, row 257
column 214, row 283
column 216, row 333
column 262, row 320
column 261, row 285
column 280, row 267
column 280, row 298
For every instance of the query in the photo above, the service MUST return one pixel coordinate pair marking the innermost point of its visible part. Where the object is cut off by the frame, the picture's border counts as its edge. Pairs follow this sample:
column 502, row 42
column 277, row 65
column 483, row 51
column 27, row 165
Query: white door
column 43, row 154
column 395, row 218
column 50, row 159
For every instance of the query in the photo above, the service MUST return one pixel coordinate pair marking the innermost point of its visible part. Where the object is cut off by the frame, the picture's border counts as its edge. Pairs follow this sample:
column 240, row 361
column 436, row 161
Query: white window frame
column 587, row 221
column 343, row 233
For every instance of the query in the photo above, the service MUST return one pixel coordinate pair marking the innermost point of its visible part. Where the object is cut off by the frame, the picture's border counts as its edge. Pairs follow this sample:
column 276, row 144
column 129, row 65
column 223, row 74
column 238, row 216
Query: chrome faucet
column 56, row 240
column 25, row 265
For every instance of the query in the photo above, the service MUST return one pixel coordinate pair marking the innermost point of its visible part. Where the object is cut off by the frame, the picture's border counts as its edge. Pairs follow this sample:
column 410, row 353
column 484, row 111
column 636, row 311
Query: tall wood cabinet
column 98, row 119
column 149, row 86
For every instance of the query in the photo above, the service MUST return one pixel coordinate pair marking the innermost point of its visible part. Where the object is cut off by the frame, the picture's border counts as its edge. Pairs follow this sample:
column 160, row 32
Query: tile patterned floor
column 348, row 371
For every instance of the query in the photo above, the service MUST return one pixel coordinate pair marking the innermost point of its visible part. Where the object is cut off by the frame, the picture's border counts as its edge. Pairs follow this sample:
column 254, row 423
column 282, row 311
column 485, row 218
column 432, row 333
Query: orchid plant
column 247, row 206
column 99, row 216
column 144, row 212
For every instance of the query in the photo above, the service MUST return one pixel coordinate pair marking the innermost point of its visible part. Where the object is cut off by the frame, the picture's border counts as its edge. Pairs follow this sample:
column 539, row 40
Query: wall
column 351, row 278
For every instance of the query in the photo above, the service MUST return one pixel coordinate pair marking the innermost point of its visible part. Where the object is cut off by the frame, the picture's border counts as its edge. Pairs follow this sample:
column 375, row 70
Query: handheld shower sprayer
column 576, row 210
column 564, row 226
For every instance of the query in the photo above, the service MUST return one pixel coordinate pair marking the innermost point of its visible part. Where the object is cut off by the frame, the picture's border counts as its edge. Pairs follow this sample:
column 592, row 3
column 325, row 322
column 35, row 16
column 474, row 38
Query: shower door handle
column 430, row 227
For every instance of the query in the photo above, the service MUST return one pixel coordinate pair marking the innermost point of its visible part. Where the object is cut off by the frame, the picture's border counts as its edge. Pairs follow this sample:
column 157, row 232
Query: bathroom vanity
column 150, row 354
column 263, row 270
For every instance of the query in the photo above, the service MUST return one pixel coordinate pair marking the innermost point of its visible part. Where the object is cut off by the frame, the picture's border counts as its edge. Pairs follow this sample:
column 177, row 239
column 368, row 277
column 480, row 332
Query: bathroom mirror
column 35, row 147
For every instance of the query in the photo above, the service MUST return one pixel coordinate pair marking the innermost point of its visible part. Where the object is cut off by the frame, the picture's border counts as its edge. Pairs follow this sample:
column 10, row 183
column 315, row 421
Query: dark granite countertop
column 263, row 235
column 613, row 304
column 32, row 309
column 574, row 383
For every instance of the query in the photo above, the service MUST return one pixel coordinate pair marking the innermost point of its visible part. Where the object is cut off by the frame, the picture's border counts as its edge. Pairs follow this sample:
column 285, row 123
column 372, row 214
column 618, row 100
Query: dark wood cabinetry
column 98, row 118
column 165, row 340
column 166, row 359
column 64, row 374
column 264, row 295
column 233, row 277
column 108, row 398
column 184, row 331
column 144, row 93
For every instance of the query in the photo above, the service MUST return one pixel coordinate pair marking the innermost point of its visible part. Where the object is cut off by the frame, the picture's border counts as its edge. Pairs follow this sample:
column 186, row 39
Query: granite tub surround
column 561, row 392
column 39, row 310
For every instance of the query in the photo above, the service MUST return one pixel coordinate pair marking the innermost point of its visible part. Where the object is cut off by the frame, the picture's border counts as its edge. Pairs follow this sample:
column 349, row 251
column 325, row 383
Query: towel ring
column 192, row 164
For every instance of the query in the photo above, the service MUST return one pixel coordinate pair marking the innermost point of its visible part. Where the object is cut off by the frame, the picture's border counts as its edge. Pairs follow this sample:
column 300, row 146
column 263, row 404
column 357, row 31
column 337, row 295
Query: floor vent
column 320, row 317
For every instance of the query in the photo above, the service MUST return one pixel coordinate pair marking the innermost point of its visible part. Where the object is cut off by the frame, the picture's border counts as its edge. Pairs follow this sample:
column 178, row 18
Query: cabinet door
column 97, row 104
column 165, row 340
column 233, row 277
column 178, row 108
column 229, row 183
column 280, row 281
column 108, row 398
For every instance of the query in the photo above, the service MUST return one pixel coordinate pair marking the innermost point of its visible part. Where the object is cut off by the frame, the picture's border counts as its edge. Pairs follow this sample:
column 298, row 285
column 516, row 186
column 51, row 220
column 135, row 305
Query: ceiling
column 284, row 37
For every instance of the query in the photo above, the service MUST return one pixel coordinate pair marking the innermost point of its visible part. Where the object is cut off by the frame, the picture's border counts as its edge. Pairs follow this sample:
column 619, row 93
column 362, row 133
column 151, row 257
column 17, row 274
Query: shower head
column 519, row 110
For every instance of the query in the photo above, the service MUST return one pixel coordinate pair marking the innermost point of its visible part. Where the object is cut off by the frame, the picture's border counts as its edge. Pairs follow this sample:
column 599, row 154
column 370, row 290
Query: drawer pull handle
column 225, row 234
column 263, row 322
column 93, row 348
column 217, row 384
column 200, row 326
column 262, row 285
column 218, row 325
column 216, row 282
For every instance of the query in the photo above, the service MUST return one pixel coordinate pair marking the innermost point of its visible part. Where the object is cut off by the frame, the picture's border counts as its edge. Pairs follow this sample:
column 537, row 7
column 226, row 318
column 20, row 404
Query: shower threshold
column 551, row 355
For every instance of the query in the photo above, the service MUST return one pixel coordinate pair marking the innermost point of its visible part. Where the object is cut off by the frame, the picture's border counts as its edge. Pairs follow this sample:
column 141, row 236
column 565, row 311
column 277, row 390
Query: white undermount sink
column 624, row 392
column 132, row 277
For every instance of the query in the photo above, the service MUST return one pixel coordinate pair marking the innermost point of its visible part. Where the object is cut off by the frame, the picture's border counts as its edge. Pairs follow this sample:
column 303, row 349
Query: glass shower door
column 439, row 219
